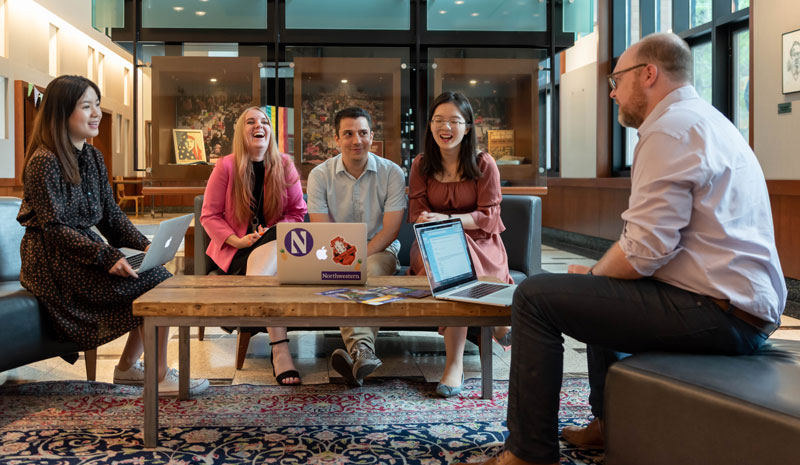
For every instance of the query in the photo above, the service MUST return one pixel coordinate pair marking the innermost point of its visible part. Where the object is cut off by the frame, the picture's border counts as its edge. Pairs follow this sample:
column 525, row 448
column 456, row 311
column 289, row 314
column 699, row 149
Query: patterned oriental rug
column 388, row 422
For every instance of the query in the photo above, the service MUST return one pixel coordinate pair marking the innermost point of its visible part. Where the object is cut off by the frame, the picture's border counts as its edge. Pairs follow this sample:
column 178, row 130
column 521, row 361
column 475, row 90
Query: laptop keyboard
column 480, row 290
column 135, row 261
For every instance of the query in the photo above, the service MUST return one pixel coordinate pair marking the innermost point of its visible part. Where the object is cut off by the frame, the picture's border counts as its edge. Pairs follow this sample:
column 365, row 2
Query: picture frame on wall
column 790, row 61
column 189, row 147
column 377, row 148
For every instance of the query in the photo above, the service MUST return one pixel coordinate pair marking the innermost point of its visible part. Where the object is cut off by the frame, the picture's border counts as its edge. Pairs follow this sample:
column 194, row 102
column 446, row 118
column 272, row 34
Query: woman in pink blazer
column 249, row 192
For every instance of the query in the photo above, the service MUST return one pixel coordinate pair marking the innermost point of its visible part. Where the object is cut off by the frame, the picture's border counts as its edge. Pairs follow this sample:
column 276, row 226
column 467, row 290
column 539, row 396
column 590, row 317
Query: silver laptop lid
column 166, row 241
column 445, row 254
column 322, row 253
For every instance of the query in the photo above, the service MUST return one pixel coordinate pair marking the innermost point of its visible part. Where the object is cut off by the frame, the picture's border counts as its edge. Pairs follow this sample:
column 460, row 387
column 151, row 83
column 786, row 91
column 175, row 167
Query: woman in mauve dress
column 453, row 180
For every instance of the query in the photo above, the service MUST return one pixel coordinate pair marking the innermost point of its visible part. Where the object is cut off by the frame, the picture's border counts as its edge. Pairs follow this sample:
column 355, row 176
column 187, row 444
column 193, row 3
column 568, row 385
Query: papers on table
column 373, row 296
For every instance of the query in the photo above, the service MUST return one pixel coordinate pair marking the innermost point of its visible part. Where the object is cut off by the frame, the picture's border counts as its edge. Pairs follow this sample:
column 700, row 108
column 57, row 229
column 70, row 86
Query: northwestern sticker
column 299, row 242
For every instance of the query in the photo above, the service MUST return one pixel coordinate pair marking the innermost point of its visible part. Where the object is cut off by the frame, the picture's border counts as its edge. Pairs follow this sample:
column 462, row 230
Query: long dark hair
column 51, row 126
column 431, row 163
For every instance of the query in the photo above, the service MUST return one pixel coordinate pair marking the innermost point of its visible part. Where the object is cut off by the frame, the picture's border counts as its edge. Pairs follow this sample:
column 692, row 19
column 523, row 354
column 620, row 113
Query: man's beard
column 632, row 116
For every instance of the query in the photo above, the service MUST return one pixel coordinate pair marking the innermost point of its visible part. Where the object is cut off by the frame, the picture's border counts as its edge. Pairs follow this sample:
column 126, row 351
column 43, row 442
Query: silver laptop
column 322, row 253
column 451, row 273
column 162, row 249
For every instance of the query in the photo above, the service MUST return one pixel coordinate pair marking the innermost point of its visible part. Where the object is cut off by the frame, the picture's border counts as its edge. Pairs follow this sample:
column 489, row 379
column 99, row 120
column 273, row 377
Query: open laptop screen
column 444, row 250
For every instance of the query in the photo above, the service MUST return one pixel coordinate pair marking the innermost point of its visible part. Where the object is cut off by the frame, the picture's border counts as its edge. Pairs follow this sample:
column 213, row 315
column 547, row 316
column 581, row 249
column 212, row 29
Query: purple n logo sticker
column 298, row 242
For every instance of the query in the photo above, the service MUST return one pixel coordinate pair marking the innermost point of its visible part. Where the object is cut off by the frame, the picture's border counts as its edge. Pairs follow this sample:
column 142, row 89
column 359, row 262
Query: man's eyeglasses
column 440, row 122
column 612, row 78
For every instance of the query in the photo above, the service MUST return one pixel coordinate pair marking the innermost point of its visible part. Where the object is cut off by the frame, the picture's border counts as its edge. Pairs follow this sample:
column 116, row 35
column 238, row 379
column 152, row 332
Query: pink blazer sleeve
column 294, row 207
column 417, row 191
column 487, row 212
column 216, row 195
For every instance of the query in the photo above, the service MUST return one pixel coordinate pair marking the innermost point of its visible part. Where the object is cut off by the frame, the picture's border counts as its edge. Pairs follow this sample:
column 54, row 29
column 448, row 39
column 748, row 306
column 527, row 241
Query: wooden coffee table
column 186, row 301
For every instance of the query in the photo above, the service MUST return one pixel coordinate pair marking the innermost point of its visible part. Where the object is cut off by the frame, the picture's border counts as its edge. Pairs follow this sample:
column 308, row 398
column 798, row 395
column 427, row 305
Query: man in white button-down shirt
column 695, row 269
column 358, row 186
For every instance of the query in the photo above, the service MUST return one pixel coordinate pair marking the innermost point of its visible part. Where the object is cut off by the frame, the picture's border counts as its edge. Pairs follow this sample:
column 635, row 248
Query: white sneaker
column 168, row 387
column 134, row 376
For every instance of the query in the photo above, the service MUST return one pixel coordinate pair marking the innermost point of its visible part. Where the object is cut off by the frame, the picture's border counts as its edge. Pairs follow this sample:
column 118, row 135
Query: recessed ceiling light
column 344, row 81
column 441, row 12
column 459, row 2
column 475, row 14
column 213, row 79
column 473, row 82
column 200, row 13
column 177, row 8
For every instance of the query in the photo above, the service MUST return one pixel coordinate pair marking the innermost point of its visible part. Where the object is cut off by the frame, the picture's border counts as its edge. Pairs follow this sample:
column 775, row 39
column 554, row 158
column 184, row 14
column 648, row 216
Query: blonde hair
column 274, row 181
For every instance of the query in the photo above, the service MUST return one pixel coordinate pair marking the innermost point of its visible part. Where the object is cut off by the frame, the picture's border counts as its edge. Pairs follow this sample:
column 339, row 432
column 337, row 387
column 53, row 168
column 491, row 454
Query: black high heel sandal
column 286, row 374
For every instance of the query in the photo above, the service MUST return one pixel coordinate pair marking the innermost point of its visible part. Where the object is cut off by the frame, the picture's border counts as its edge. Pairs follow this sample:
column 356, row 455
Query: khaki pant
column 380, row 264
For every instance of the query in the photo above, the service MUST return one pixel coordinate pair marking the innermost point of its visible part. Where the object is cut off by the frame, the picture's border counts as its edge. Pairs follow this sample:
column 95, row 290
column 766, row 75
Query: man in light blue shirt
column 357, row 186
column 695, row 269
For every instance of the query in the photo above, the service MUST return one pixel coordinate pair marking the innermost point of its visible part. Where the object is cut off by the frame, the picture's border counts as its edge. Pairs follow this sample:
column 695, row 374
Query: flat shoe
column 450, row 391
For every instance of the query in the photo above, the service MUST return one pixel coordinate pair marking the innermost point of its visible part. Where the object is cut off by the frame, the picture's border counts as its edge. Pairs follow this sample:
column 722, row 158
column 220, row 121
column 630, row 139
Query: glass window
column 107, row 14
column 741, row 81
column 53, row 49
column 664, row 15
column 701, row 56
column 737, row 5
column 700, row 12
column 324, row 80
column 579, row 16
column 195, row 99
column 487, row 15
column 3, row 109
column 503, row 88
column 188, row 14
column 634, row 24
column 348, row 14
column 631, row 139
column 3, row 52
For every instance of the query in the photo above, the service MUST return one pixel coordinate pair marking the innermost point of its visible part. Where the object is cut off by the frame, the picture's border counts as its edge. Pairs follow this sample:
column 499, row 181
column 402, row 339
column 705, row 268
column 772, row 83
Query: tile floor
column 413, row 354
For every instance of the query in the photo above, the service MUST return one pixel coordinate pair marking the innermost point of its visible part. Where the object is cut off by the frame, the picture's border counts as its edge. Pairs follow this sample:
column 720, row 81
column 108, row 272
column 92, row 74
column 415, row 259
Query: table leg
column 150, row 384
column 183, row 362
column 152, row 206
column 487, row 373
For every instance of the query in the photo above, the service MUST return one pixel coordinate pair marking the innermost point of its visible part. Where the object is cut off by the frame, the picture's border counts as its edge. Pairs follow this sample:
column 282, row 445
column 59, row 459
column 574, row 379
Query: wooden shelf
column 319, row 92
column 504, row 94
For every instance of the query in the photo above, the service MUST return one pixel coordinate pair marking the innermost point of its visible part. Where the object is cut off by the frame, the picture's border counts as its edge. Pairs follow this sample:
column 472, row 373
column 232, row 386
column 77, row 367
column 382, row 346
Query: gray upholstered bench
column 684, row 409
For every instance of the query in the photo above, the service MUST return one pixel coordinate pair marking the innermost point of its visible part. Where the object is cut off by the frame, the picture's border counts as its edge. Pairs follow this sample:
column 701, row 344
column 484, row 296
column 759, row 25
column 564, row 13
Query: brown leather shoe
column 507, row 458
column 588, row 437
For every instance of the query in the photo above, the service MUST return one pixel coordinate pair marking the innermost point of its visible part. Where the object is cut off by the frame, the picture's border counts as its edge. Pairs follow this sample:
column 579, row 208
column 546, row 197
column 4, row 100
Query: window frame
column 719, row 31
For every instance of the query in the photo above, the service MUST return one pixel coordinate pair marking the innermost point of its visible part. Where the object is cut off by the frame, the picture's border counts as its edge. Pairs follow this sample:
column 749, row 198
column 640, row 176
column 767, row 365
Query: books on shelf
column 501, row 143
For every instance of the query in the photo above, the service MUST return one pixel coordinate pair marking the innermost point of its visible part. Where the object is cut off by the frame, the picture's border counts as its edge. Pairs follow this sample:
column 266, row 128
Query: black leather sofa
column 667, row 408
column 25, row 336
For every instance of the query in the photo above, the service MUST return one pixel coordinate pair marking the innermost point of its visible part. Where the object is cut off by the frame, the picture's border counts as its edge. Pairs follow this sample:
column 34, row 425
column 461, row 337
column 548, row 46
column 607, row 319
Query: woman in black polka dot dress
column 86, row 286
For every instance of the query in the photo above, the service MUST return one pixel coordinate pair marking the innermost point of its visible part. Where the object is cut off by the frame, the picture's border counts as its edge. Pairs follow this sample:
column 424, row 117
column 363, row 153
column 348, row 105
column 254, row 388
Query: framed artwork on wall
column 790, row 59
column 189, row 146
column 377, row 147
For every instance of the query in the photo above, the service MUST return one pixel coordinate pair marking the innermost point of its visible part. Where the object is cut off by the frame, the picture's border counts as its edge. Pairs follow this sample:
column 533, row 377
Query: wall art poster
column 791, row 62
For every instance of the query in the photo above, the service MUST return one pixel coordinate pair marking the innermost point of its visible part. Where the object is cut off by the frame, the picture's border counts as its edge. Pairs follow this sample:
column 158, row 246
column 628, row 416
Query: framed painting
column 791, row 61
column 189, row 147
column 377, row 147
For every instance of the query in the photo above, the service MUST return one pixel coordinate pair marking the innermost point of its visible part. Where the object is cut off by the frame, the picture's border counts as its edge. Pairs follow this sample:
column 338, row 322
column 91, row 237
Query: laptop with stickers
column 451, row 273
column 322, row 253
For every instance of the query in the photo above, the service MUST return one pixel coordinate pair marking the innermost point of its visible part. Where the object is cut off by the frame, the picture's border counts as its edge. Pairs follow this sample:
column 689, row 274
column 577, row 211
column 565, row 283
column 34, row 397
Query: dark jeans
column 611, row 316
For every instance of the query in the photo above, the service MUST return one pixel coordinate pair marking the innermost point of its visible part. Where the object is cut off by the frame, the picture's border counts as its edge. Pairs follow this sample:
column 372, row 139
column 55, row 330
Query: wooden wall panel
column 586, row 206
column 593, row 207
